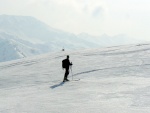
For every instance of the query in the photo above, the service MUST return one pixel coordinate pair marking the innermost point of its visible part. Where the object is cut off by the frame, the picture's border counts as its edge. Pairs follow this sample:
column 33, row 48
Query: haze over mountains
column 23, row 36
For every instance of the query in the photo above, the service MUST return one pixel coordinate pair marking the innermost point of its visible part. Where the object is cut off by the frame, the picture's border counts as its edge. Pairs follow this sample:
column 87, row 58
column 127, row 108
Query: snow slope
column 12, row 48
column 113, row 80
column 36, row 37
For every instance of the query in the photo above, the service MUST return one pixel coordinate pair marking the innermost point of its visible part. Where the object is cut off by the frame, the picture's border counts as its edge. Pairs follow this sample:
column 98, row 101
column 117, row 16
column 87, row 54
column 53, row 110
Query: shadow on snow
column 57, row 85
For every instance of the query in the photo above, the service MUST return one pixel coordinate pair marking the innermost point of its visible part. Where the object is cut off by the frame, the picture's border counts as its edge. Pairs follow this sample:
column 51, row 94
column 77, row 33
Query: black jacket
column 66, row 63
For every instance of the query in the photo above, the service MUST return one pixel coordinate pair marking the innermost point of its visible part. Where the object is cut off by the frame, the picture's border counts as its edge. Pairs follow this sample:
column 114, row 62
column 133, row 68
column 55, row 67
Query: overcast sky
column 96, row 17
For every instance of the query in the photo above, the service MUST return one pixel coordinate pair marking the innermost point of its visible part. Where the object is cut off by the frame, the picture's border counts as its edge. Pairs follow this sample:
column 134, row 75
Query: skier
column 66, row 64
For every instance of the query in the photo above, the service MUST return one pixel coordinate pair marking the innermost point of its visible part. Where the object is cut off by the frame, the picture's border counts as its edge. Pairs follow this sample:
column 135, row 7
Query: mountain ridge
column 42, row 38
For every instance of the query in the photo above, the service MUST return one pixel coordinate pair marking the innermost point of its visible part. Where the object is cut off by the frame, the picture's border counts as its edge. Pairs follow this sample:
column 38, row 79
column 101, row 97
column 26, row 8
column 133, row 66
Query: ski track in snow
column 112, row 80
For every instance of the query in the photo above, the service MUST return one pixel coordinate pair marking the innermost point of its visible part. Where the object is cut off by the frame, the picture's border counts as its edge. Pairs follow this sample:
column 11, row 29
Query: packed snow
column 112, row 80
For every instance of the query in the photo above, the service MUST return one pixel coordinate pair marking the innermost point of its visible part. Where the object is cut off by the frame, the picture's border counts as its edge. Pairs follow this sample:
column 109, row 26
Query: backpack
column 64, row 63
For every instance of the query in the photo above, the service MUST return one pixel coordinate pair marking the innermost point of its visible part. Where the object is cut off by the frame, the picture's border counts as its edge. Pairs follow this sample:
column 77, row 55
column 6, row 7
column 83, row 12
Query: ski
column 72, row 80
column 75, row 80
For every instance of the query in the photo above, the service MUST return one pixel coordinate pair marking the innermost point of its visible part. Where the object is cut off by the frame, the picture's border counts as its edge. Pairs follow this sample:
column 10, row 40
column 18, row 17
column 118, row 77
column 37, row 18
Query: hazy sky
column 96, row 17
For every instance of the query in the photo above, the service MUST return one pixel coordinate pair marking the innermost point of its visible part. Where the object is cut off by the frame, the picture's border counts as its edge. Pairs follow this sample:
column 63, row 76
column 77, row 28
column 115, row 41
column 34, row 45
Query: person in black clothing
column 66, row 64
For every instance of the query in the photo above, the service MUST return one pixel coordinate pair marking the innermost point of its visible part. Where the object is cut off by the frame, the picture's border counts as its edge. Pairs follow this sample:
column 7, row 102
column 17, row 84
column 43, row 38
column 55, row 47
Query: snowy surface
column 112, row 80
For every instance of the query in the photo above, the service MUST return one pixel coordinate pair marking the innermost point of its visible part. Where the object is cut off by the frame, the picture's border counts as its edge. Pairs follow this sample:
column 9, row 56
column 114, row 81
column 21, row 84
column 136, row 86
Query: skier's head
column 67, row 56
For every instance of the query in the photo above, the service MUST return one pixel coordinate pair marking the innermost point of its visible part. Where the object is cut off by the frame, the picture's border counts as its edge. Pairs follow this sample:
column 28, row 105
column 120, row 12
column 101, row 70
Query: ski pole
column 71, row 72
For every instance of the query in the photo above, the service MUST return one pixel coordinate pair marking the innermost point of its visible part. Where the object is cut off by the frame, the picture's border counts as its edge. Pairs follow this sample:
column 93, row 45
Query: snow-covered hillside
column 11, row 48
column 36, row 37
column 112, row 80
column 31, row 29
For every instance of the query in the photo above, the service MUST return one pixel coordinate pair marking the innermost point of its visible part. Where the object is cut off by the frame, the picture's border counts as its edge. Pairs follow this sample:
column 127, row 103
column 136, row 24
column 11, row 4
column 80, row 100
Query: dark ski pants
column 66, row 73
